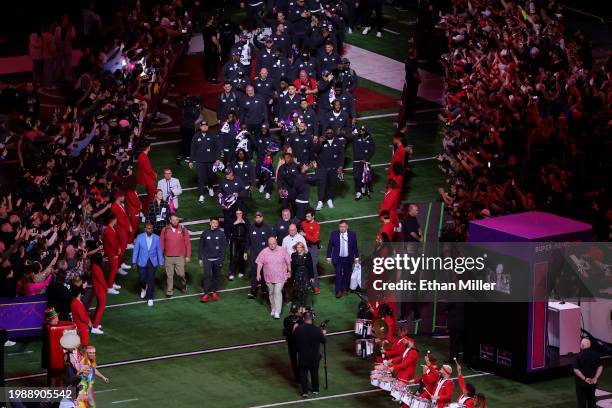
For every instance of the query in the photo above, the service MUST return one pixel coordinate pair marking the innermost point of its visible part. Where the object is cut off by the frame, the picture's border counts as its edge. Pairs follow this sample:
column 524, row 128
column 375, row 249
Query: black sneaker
column 304, row 395
column 251, row 296
column 315, row 393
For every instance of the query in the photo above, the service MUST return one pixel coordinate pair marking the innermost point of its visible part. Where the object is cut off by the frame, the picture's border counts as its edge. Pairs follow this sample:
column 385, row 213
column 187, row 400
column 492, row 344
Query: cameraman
column 308, row 340
column 289, row 325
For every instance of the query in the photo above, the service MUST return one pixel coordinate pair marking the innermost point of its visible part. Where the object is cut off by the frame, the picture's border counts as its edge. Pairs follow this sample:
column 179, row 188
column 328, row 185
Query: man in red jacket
column 110, row 241
column 176, row 247
column 399, row 152
column 123, row 228
column 387, row 226
column 133, row 205
column 391, row 201
column 399, row 346
column 146, row 175
column 405, row 365
column 443, row 392
column 311, row 230
column 429, row 377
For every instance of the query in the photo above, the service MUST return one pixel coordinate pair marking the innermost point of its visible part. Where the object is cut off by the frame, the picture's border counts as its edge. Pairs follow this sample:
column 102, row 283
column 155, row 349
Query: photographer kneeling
column 308, row 340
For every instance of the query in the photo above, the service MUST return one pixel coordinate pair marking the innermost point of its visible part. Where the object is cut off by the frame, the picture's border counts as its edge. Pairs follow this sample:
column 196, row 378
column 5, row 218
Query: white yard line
column 186, row 354
column 165, row 142
column 348, row 394
column 109, row 390
column 124, row 401
column 138, row 302
column 391, row 31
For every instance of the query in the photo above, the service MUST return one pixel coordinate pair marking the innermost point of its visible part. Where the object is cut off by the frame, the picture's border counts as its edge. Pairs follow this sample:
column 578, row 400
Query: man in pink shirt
column 276, row 265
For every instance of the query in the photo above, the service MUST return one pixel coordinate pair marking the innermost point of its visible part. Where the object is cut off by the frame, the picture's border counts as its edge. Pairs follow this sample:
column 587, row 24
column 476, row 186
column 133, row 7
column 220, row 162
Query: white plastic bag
column 356, row 276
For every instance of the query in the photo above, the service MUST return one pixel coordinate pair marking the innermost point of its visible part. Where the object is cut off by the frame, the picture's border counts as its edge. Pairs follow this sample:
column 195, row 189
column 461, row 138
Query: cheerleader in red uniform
column 99, row 290
column 133, row 206
column 80, row 315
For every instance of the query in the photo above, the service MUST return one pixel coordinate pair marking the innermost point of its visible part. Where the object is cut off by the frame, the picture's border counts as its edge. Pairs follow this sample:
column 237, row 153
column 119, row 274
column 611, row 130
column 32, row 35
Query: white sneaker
column 366, row 30
column 350, row 31
column 358, row 195
column 125, row 267
column 150, row 302
column 143, row 293
column 319, row 206
column 272, row 312
column 330, row 203
column 112, row 291
column 231, row 277
column 241, row 275
column 277, row 315
column 267, row 196
column 261, row 188
column 96, row 330
column 130, row 246
column 121, row 272
column 9, row 343
column 115, row 286
column 379, row 35
column 201, row 199
column 211, row 192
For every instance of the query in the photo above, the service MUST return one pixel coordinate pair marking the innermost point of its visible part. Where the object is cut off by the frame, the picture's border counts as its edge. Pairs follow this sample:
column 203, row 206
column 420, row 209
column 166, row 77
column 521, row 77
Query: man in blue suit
column 342, row 251
column 147, row 256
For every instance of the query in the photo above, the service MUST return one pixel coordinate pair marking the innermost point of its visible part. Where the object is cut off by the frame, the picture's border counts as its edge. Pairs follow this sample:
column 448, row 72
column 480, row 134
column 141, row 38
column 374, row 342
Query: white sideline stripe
column 123, row 401
column 185, row 296
column 109, row 390
column 346, row 169
column 348, row 394
column 391, row 31
column 165, row 142
column 186, row 354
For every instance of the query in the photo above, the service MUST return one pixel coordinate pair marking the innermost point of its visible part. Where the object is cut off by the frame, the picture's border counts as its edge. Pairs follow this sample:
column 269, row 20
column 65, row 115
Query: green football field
column 231, row 353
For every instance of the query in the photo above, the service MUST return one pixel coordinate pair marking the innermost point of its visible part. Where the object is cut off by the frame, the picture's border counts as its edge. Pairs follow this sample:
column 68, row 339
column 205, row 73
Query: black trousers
column 314, row 377
column 211, row 279
column 293, row 357
column 358, row 175
column 455, row 340
column 586, row 396
column 237, row 262
column 300, row 210
column 211, row 64
column 410, row 98
column 206, row 176
column 186, row 136
column 326, row 183
column 376, row 7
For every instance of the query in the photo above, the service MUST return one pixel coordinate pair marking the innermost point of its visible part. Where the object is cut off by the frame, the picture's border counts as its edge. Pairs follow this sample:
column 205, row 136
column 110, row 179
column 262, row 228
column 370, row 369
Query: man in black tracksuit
column 244, row 169
column 363, row 151
column 227, row 135
column 329, row 154
column 309, row 116
column 285, row 177
column 308, row 340
column 232, row 185
column 190, row 112
column 205, row 151
column 233, row 70
column 228, row 100
column 253, row 111
column 301, row 143
column 288, row 326
column 212, row 254
column 259, row 232
column 303, row 181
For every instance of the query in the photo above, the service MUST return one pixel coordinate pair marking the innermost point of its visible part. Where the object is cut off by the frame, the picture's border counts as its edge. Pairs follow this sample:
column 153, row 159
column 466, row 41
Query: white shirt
column 289, row 242
column 344, row 244
column 173, row 185
column 438, row 388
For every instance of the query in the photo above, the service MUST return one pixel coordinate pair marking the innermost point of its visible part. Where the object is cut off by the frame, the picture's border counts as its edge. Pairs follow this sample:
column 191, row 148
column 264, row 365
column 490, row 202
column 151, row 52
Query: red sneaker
column 316, row 291
column 215, row 296
column 204, row 298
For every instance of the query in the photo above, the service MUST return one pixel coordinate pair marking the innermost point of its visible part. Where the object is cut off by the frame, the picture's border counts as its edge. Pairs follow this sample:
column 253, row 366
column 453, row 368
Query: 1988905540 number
column 35, row 394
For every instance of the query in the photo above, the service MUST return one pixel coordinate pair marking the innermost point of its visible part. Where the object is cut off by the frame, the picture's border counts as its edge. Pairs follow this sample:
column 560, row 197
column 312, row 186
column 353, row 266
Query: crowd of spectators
column 528, row 116
column 74, row 160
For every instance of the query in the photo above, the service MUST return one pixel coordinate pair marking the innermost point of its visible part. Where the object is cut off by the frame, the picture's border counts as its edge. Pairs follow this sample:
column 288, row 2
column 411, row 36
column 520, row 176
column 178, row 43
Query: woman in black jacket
column 238, row 245
column 301, row 268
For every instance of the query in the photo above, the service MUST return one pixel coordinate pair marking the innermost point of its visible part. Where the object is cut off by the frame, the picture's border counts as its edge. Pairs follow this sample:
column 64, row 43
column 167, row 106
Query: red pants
column 100, row 294
column 123, row 235
column 151, row 190
column 113, row 266
column 83, row 329
column 135, row 222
